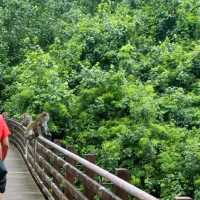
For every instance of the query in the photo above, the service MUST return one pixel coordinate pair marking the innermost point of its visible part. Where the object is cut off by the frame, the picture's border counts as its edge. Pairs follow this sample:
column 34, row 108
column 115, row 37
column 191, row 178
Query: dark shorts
column 3, row 184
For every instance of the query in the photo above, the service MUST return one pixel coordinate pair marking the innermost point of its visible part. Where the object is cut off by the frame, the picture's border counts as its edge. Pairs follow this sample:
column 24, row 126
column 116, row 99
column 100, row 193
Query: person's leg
column 2, row 186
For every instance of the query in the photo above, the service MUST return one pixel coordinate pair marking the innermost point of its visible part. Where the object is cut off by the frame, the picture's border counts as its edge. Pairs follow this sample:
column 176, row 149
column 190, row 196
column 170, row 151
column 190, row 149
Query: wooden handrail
column 130, row 189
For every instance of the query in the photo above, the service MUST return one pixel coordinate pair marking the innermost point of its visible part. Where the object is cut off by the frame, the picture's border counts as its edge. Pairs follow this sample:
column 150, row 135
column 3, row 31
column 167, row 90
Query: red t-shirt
column 4, row 132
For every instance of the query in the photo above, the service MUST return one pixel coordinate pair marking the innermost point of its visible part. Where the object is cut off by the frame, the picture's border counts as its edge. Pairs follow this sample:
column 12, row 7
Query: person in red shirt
column 4, row 145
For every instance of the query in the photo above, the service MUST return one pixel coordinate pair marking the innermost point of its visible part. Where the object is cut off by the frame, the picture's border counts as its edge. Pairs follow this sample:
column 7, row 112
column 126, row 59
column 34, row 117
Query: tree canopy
column 119, row 78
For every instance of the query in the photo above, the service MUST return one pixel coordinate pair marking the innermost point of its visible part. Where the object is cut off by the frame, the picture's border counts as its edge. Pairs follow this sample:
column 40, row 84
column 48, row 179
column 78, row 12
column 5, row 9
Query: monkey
column 25, row 119
column 5, row 115
column 38, row 127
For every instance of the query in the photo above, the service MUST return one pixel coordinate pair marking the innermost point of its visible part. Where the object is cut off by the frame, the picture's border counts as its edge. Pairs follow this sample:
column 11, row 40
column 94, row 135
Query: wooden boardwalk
column 71, row 177
column 20, row 185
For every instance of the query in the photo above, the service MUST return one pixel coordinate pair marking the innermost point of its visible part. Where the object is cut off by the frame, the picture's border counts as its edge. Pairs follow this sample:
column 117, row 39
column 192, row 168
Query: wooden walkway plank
column 20, row 184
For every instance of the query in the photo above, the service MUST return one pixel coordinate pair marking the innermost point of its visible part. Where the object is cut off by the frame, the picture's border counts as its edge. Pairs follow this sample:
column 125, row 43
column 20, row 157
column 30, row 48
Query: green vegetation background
column 119, row 78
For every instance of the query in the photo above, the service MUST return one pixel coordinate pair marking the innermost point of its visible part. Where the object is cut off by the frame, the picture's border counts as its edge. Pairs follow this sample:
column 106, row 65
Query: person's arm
column 5, row 146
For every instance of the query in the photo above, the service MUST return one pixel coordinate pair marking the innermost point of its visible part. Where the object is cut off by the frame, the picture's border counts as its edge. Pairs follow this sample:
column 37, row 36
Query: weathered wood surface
column 20, row 185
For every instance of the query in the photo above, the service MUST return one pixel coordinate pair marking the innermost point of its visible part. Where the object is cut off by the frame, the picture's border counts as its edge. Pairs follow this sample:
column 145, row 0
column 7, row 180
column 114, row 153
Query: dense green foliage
column 119, row 78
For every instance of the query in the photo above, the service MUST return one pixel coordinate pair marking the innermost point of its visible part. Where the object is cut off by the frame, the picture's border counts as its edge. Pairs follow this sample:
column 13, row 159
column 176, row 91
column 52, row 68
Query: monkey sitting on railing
column 35, row 128
column 5, row 115
column 38, row 126
column 25, row 119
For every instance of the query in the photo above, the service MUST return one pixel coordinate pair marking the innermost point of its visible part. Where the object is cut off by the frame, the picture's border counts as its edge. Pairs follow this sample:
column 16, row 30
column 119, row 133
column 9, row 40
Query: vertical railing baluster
column 123, row 174
column 35, row 152
column 69, row 160
column 89, row 193
column 68, row 175
column 57, row 141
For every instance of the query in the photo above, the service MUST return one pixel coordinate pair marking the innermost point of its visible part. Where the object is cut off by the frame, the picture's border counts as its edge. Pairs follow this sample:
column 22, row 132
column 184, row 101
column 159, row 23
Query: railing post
column 35, row 152
column 57, row 141
column 26, row 149
column 68, row 175
column 183, row 198
column 123, row 174
column 89, row 193
column 69, row 160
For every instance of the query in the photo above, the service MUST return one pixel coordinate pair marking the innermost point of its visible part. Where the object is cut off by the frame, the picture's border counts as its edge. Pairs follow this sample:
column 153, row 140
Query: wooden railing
column 63, row 175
